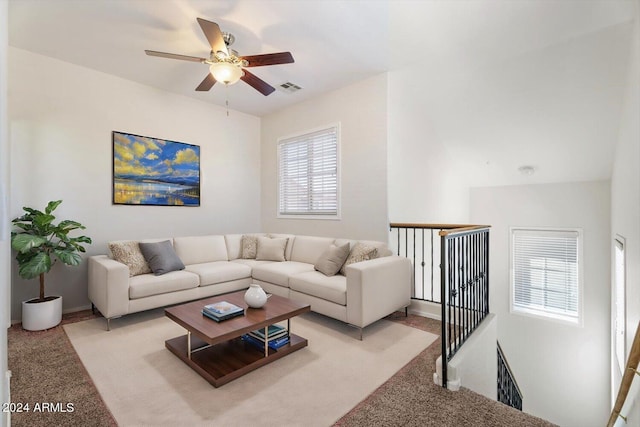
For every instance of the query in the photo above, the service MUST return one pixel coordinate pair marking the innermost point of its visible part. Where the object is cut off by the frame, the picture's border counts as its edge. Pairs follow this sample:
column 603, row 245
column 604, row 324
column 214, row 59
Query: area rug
column 142, row 383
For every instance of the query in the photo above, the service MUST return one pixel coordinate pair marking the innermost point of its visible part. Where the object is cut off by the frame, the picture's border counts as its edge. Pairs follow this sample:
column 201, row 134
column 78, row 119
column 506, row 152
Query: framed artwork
column 153, row 171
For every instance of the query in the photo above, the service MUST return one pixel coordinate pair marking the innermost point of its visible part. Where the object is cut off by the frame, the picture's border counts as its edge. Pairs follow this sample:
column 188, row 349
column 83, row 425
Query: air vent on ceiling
column 289, row 87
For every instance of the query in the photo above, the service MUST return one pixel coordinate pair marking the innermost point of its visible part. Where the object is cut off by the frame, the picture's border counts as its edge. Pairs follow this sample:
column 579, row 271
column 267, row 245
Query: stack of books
column 278, row 336
column 222, row 310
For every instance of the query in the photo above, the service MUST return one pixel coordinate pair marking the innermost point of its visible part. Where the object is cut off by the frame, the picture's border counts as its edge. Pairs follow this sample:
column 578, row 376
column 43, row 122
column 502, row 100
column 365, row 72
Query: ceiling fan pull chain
column 226, row 91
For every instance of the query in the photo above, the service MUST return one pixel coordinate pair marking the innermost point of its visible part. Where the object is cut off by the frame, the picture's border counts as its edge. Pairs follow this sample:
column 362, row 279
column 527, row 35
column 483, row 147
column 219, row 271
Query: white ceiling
column 496, row 77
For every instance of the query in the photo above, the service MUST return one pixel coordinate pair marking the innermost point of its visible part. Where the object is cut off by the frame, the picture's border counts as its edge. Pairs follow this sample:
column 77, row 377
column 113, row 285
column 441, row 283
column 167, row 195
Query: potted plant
column 40, row 244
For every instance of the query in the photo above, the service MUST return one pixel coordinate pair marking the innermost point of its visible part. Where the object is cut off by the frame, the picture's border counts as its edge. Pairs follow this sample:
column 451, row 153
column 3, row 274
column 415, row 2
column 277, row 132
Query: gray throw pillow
column 332, row 259
column 161, row 257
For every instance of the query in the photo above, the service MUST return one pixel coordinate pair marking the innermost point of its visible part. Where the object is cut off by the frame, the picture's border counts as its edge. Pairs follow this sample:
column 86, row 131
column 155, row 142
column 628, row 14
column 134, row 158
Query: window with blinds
column 546, row 274
column 308, row 174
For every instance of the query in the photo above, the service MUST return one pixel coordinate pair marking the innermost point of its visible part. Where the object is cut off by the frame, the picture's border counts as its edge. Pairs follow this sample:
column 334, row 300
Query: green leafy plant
column 40, row 243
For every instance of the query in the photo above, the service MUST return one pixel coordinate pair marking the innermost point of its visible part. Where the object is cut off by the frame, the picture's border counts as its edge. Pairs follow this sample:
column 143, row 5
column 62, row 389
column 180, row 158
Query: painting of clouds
column 152, row 171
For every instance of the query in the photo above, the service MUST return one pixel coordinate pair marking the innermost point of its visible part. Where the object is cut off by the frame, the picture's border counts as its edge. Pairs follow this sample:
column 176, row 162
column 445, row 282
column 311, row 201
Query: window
column 546, row 273
column 620, row 302
column 308, row 175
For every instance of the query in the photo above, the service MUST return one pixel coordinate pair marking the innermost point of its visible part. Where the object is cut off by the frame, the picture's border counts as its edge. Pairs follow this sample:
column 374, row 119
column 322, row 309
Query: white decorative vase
column 255, row 296
column 38, row 316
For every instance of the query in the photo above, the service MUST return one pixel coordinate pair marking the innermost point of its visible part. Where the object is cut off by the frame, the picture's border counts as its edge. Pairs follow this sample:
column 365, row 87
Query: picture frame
column 154, row 172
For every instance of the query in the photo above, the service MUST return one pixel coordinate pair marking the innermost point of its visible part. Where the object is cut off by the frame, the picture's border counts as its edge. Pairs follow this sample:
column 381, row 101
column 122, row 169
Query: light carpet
column 142, row 383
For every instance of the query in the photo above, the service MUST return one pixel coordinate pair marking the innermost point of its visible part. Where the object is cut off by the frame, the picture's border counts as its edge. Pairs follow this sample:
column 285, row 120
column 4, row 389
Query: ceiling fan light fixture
column 226, row 72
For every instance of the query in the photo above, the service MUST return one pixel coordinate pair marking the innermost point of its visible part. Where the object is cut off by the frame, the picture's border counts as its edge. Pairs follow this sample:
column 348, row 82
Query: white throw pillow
column 271, row 249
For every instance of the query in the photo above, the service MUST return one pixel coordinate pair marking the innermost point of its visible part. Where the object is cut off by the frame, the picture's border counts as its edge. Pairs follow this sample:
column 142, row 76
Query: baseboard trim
column 428, row 309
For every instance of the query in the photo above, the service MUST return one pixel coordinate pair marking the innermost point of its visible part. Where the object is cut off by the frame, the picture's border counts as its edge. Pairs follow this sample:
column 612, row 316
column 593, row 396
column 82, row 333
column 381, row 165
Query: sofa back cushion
column 199, row 249
column 309, row 248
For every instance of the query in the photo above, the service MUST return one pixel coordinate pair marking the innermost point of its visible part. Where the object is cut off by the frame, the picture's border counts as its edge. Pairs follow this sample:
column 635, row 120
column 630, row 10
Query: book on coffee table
column 221, row 318
column 222, row 310
column 274, row 344
column 274, row 331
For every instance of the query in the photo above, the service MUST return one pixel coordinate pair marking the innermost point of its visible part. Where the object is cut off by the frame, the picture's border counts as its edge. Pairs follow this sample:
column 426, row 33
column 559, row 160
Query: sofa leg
column 93, row 309
column 108, row 324
column 406, row 311
column 358, row 328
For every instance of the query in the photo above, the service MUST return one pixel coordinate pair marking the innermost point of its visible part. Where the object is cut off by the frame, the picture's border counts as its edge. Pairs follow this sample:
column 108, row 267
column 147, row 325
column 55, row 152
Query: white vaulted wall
column 361, row 111
column 562, row 369
column 61, row 119
column 625, row 204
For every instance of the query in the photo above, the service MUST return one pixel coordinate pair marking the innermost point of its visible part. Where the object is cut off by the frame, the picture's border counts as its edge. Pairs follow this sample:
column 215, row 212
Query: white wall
column 562, row 370
column 361, row 111
column 5, row 254
column 424, row 185
column 625, row 200
column 61, row 118
column 475, row 366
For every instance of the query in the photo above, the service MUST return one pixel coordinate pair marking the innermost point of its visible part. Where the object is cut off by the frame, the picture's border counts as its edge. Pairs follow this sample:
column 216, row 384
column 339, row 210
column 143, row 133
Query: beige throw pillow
column 271, row 249
column 360, row 252
column 129, row 254
column 332, row 259
column 249, row 246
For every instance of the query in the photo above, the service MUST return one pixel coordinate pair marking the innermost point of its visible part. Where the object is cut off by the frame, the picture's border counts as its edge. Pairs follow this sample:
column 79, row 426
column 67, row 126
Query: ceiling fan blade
column 174, row 56
column 269, row 59
column 214, row 36
column 257, row 83
column 206, row 84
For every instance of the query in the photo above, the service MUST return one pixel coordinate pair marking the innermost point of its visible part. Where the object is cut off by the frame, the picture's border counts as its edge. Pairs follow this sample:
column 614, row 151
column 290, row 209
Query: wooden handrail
column 462, row 229
column 451, row 227
column 627, row 378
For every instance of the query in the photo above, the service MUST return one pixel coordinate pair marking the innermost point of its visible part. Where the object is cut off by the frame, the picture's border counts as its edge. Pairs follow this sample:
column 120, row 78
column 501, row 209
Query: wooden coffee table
column 216, row 351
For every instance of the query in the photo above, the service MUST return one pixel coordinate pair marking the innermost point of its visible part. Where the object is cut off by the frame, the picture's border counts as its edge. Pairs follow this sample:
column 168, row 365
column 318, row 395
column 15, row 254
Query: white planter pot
column 37, row 316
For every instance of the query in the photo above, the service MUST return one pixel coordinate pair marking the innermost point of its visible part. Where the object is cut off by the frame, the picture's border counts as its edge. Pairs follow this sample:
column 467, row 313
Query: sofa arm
column 377, row 288
column 109, row 286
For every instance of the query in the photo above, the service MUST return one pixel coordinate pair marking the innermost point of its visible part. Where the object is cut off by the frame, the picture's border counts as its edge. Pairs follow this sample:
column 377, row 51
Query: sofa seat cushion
column 146, row 285
column 219, row 272
column 251, row 263
column 278, row 273
column 314, row 283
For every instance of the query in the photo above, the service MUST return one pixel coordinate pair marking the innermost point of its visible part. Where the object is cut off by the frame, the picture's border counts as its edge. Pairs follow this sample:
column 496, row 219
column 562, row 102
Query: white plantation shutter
column 545, row 273
column 308, row 173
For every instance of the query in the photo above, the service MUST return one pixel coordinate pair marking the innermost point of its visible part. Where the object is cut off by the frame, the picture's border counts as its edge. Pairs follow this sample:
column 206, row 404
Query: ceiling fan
column 225, row 65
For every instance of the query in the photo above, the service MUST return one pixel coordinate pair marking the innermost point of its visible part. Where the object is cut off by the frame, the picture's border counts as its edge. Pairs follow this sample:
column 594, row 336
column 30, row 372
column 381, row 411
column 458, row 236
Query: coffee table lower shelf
column 226, row 361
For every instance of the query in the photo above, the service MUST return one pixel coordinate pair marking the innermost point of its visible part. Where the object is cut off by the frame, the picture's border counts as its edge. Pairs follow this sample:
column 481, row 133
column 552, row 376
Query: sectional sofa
column 286, row 265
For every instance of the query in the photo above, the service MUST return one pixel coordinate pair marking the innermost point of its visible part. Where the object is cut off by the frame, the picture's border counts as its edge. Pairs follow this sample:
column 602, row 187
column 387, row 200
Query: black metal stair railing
column 508, row 391
column 464, row 287
column 459, row 260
